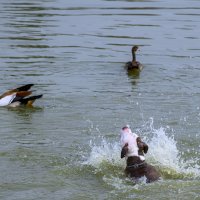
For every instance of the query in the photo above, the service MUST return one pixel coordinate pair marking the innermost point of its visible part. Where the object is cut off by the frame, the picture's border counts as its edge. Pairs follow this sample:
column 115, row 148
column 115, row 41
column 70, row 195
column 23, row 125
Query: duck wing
column 30, row 100
column 20, row 95
column 19, row 89
column 24, row 87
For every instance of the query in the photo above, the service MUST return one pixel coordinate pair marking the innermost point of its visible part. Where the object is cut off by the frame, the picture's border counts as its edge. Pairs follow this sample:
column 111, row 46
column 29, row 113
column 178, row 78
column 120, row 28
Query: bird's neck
column 133, row 56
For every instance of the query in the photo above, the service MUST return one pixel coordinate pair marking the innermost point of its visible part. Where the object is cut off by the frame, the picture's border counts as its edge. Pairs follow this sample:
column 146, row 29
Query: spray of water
column 104, row 152
column 163, row 150
column 104, row 157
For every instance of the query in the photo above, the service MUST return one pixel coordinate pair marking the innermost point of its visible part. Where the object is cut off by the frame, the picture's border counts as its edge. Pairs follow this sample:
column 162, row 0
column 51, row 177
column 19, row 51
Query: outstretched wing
column 23, row 88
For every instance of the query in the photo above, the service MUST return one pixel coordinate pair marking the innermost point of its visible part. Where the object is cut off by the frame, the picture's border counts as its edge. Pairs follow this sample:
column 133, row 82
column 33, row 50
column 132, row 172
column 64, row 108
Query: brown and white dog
column 133, row 148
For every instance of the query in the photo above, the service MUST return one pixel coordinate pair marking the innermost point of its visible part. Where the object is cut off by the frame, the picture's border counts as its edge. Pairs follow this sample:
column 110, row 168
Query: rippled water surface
column 67, row 146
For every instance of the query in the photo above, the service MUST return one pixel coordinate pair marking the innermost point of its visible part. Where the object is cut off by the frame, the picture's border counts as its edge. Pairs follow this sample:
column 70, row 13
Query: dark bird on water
column 134, row 64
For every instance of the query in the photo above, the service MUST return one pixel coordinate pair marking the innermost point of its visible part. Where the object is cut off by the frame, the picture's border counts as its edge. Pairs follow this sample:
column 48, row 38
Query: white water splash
column 163, row 153
column 163, row 150
column 104, row 152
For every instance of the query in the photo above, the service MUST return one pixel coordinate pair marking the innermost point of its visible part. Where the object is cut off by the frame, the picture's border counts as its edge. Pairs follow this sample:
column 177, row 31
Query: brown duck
column 18, row 96
column 134, row 64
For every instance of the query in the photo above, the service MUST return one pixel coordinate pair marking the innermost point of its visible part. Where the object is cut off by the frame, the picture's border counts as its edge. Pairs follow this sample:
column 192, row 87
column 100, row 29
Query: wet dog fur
column 136, row 167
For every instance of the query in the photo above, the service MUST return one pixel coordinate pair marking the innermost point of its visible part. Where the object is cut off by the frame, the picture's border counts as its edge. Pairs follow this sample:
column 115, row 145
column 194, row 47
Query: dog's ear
column 142, row 145
column 124, row 150
column 145, row 149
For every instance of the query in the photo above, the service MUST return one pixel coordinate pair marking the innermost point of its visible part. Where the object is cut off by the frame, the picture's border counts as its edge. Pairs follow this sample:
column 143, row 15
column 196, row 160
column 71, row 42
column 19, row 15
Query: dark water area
column 67, row 146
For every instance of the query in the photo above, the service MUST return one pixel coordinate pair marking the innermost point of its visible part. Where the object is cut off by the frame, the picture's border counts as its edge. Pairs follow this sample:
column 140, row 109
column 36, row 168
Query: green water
column 67, row 146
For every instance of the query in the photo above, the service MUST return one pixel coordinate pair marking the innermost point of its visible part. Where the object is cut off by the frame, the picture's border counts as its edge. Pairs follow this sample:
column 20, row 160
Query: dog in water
column 133, row 148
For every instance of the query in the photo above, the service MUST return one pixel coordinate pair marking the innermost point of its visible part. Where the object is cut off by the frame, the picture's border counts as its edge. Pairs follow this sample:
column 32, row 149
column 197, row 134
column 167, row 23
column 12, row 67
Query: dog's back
column 137, row 168
column 151, row 174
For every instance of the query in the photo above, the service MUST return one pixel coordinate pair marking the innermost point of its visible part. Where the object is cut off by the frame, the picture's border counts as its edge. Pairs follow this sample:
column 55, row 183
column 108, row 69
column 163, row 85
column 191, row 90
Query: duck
column 134, row 64
column 18, row 96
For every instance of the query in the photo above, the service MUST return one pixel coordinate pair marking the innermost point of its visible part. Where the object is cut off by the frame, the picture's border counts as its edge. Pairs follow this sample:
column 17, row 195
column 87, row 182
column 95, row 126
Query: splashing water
column 163, row 150
column 163, row 153
column 105, row 152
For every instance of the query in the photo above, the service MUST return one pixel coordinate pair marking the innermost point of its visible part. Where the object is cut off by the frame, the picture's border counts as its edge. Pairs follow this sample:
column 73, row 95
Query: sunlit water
column 67, row 146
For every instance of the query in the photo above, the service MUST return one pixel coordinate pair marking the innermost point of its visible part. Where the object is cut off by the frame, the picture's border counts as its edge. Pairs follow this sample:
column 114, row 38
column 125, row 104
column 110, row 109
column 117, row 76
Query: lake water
column 67, row 146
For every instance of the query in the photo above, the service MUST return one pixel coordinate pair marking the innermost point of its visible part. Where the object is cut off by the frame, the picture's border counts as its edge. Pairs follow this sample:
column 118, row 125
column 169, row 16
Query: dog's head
column 128, row 142
column 142, row 148
column 132, row 145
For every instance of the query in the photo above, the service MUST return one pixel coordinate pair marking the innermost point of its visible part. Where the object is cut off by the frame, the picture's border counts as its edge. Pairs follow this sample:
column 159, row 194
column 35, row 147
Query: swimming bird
column 134, row 64
column 18, row 96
